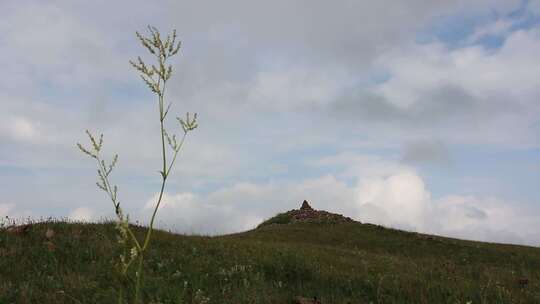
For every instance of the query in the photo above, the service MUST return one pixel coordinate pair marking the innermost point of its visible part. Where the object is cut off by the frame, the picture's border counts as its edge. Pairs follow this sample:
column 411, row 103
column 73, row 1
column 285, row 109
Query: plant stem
column 149, row 233
column 114, row 201
column 164, row 173
column 147, row 239
column 138, row 276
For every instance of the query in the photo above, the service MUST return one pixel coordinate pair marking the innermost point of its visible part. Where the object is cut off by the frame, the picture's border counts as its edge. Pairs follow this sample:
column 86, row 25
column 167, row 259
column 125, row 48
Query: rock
column 76, row 233
column 49, row 234
column 302, row 300
column 19, row 230
column 50, row 246
column 306, row 206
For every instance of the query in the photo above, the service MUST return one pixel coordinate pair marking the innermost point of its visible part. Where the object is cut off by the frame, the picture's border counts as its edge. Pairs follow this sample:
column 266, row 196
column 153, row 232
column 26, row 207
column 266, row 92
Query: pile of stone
column 307, row 213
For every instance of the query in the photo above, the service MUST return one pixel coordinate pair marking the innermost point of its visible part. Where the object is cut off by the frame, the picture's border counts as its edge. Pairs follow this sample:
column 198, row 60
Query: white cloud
column 397, row 198
column 6, row 210
column 534, row 6
column 242, row 206
column 13, row 212
column 485, row 218
column 68, row 50
column 361, row 165
column 498, row 28
column 491, row 95
column 21, row 129
column 187, row 212
column 297, row 87
column 83, row 214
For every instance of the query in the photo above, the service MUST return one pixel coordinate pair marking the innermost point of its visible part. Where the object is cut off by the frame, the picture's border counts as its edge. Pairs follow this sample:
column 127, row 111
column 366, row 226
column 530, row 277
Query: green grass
column 337, row 263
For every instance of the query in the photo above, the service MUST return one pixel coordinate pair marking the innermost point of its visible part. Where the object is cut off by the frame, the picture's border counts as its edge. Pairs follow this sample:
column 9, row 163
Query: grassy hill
column 337, row 261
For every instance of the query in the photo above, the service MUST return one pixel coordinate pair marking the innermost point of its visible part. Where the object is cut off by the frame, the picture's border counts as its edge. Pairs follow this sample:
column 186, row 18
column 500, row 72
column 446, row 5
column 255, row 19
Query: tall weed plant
column 155, row 76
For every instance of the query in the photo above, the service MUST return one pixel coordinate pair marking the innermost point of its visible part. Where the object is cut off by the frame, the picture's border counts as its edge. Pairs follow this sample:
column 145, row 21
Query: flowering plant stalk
column 155, row 76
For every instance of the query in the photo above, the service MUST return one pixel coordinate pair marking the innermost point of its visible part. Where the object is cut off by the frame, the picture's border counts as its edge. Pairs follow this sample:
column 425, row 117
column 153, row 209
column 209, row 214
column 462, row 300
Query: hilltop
column 300, row 253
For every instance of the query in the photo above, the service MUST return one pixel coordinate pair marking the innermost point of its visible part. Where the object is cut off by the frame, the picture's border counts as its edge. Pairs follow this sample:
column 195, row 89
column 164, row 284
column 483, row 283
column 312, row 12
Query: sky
column 419, row 115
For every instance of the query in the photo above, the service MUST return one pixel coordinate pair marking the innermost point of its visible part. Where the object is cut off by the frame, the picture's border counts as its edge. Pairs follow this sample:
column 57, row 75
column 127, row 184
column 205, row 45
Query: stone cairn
column 307, row 213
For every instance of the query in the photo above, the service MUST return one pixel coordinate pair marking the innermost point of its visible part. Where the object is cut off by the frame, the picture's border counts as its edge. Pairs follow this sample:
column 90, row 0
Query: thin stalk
column 121, row 297
column 161, row 118
column 160, row 198
column 147, row 240
column 164, row 171
column 138, row 276
column 113, row 199
column 149, row 233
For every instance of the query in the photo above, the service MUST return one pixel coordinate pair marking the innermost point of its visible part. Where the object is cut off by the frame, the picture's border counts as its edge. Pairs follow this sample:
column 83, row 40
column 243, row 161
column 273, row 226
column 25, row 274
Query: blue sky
column 422, row 116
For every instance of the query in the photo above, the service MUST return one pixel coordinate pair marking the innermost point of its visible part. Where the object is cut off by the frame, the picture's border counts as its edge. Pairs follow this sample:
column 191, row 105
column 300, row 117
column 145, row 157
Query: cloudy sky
column 421, row 115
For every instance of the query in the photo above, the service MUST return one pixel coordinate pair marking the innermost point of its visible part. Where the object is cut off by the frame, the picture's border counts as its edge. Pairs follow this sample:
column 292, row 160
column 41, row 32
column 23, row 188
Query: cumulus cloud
column 244, row 205
column 83, row 214
column 68, row 50
column 499, row 28
column 356, row 165
column 296, row 87
column 13, row 212
column 20, row 129
column 188, row 213
column 534, row 6
column 395, row 197
column 485, row 218
column 400, row 200
column 6, row 209
column 489, row 94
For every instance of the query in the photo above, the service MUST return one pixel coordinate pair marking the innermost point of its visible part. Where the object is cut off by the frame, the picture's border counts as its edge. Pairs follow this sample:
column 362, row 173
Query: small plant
column 155, row 76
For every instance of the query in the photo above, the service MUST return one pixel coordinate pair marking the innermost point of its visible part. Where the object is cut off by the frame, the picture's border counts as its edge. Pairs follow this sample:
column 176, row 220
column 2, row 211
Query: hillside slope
column 335, row 259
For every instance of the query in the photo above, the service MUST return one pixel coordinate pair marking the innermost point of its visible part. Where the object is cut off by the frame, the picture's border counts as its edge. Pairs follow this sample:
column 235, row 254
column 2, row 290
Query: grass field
column 335, row 262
